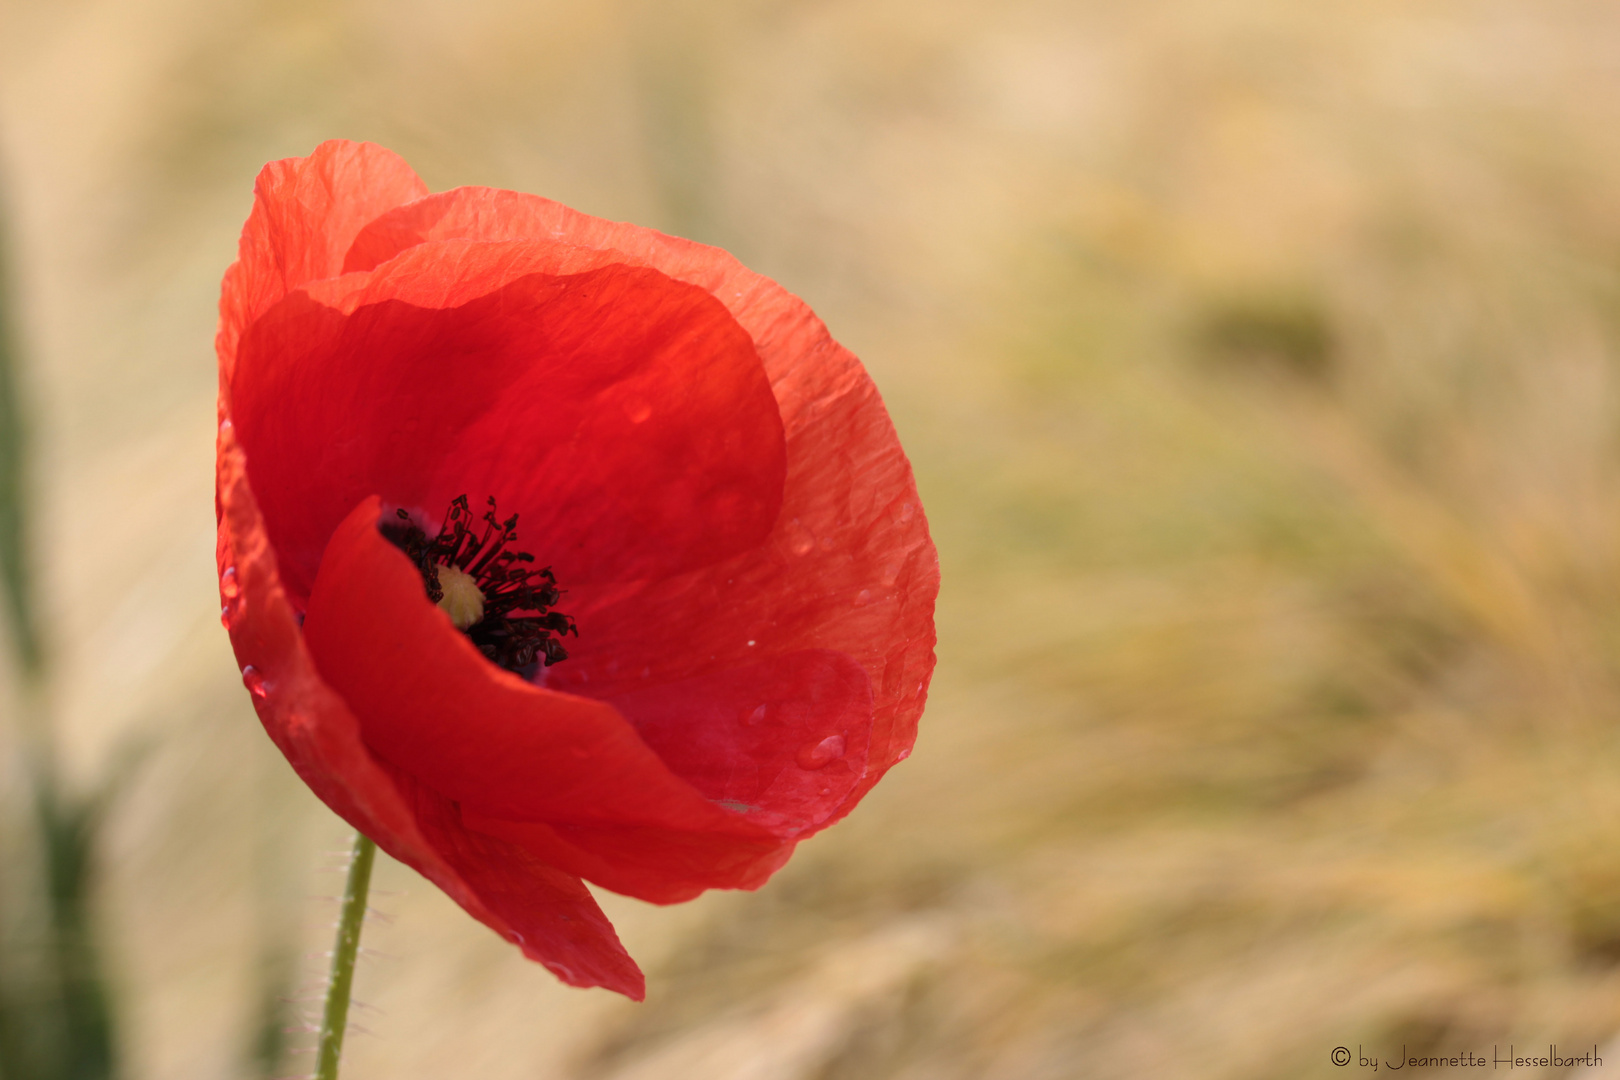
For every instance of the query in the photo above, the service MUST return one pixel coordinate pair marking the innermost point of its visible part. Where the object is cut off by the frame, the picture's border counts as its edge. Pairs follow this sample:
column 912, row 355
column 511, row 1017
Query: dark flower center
column 481, row 583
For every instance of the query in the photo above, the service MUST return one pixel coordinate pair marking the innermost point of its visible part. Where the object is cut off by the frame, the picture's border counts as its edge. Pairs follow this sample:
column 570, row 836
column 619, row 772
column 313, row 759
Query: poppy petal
column 306, row 214
column 849, row 565
column 570, row 398
column 783, row 740
column 505, row 750
column 661, row 866
column 429, row 703
column 547, row 910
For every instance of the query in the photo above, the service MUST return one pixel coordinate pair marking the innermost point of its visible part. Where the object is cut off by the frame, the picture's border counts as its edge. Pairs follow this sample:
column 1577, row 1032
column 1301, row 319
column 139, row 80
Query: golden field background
column 1258, row 361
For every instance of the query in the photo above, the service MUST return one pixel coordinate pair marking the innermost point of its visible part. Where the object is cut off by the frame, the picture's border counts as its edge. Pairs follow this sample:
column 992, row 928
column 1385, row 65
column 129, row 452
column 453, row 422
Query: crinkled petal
column 623, row 415
column 306, row 214
column 504, row 750
column 429, row 703
column 548, row 911
column 849, row 565
column 783, row 739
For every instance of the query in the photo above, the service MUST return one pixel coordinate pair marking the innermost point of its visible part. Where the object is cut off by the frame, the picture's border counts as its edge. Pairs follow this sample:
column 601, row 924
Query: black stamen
column 518, row 643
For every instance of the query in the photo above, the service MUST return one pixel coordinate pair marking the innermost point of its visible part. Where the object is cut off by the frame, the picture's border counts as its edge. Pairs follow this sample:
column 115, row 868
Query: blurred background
column 1260, row 364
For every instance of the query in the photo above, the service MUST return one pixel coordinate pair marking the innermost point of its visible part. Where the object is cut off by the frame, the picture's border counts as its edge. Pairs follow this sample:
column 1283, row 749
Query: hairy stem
column 344, row 950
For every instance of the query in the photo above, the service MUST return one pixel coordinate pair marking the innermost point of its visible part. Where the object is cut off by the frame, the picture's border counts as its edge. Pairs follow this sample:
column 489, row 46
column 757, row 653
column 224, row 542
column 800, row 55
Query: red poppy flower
column 712, row 481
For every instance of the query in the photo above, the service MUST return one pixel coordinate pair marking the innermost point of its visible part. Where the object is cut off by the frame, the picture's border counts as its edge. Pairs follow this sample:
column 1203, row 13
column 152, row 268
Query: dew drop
column 752, row 717
column 254, row 682
column 637, row 409
column 891, row 573
column 818, row 755
column 230, row 591
column 902, row 755
column 907, row 512
column 800, row 542
column 863, row 598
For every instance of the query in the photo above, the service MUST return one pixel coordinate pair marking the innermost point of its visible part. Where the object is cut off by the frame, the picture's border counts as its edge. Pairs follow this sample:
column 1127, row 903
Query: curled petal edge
column 547, row 912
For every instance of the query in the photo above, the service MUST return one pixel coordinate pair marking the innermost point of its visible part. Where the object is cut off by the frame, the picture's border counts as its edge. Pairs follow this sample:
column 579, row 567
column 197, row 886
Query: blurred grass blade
column 268, row 1047
column 58, row 1028
column 14, row 559
column 13, row 1045
column 70, row 833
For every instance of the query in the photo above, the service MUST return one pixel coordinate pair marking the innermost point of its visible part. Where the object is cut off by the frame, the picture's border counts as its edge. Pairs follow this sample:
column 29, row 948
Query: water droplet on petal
column 230, row 591
column 255, row 682
column 800, row 542
column 863, row 598
column 907, row 512
column 637, row 409
column 891, row 573
column 752, row 717
column 818, row 755
column 902, row 755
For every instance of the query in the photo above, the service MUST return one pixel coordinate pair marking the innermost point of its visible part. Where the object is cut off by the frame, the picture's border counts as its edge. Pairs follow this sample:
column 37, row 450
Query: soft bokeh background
column 1260, row 363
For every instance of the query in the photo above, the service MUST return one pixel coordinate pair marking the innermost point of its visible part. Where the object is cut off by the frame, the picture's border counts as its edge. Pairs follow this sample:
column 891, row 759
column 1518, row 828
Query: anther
column 482, row 585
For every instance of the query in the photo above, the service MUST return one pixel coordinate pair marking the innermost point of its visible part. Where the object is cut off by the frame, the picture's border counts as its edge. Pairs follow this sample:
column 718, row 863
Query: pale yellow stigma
column 463, row 601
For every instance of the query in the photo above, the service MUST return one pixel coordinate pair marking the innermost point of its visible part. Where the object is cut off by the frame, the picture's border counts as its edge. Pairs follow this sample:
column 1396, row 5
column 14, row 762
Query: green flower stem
column 344, row 950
